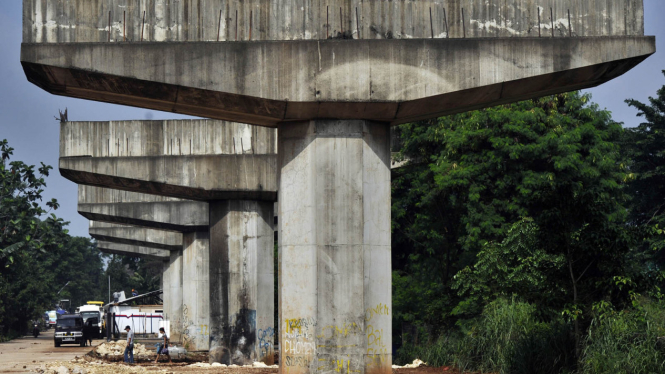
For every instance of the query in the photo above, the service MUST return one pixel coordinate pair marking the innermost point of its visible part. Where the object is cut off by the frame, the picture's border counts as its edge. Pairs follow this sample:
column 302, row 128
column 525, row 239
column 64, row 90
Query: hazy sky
column 27, row 112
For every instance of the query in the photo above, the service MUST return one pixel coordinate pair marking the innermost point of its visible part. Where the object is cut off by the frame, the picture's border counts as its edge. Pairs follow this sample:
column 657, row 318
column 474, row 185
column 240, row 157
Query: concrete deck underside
column 265, row 83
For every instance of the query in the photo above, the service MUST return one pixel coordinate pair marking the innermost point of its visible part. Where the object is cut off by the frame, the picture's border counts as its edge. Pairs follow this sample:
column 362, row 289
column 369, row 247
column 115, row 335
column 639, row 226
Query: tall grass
column 627, row 342
column 507, row 338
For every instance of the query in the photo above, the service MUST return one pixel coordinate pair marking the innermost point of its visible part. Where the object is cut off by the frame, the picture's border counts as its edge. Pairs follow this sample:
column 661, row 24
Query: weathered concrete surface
column 133, row 235
column 133, row 251
column 264, row 83
column 173, row 293
column 199, row 20
column 242, row 282
column 334, row 244
column 186, row 177
column 191, row 159
column 137, row 209
column 164, row 138
column 196, row 291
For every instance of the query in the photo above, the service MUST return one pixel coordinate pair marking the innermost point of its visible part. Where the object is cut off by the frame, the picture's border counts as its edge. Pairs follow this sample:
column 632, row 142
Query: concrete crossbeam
column 192, row 159
column 221, row 177
column 139, row 138
column 133, row 251
column 215, row 20
column 395, row 81
column 151, row 211
column 133, row 235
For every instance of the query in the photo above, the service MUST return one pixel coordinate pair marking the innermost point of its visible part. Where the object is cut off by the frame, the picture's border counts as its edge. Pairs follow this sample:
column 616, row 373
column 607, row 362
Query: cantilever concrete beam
column 190, row 159
column 137, row 236
column 133, row 251
column 392, row 80
column 152, row 211
column 222, row 177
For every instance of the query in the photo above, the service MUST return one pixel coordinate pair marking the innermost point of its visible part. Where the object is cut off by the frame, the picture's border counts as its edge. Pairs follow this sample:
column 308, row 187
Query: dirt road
column 21, row 355
column 27, row 355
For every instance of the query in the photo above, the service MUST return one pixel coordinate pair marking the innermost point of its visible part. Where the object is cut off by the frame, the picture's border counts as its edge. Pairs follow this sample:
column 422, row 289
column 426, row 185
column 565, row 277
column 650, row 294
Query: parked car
column 69, row 330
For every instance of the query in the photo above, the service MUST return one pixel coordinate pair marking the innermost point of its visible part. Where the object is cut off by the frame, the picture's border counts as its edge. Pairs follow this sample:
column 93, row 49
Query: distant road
column 33, row 352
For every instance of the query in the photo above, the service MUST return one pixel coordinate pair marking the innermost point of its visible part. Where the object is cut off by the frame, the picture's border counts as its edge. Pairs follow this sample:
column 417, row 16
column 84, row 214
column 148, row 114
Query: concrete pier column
column 334, row 247
column 166, row 290
column 173, row 307
column 195, row 291
column 241, row 281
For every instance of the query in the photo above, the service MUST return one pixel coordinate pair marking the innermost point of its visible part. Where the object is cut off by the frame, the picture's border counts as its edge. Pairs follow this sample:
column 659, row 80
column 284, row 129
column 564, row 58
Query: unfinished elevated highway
column 331, row 76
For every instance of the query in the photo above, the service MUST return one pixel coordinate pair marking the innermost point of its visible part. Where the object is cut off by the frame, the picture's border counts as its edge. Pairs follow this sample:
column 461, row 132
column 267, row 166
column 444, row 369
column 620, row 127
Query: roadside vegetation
column 528, row 238
column 38, row 256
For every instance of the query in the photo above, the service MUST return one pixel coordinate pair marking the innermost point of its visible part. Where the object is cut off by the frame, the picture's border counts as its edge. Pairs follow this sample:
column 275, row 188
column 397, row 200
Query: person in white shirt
column 130, row 346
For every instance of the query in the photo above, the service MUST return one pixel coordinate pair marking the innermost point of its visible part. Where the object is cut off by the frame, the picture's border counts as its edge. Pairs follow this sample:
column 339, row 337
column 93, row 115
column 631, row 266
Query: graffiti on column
column 378, row 348
column 299, row 342
column 265, row 345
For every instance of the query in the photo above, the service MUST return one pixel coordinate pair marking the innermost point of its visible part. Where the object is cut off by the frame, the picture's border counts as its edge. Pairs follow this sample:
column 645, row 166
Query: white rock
column 259, row 365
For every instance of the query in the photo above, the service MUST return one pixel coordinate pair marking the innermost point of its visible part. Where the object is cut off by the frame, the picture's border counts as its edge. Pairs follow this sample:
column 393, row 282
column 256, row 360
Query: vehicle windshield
column 87, row 315
column 70, row 322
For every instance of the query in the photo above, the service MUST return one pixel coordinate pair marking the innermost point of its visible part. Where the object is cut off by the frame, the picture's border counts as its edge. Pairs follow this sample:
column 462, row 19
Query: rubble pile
column 118, row 349
column 414, row 365
column 204, row 365
column 82, row 367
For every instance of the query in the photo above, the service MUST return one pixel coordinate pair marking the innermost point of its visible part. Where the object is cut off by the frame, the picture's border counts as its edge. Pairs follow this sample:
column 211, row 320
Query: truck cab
column 69, row 330
column 93, row 310
column 52, row 319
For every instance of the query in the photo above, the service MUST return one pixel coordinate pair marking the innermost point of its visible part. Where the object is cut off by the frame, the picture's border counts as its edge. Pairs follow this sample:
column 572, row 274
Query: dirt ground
column 29, row 352
column 30, row 355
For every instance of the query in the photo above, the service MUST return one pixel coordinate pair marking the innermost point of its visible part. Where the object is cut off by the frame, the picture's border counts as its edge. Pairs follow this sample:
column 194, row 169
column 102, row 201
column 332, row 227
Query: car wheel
column 83, row 343
column 56, row 344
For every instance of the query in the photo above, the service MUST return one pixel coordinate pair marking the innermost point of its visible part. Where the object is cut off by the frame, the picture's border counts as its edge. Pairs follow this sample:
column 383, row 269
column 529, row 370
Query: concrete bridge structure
column 332, row 77
column 166, row 161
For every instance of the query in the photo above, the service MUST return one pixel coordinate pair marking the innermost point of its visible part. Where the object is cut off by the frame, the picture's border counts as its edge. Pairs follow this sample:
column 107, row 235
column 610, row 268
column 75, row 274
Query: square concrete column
column 173, row 296
column 334, row 247
column 241, row 281
column 195, row 291
column 166, row 290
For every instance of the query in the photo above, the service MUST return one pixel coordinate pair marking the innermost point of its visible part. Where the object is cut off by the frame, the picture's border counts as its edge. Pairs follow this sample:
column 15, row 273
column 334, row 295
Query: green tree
column 472, row 175
column 21, row 227
column 37, row 255
column 644, row 145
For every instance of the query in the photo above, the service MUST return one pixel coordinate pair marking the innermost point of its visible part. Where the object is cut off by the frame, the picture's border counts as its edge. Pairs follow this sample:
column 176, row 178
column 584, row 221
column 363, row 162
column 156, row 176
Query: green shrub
column 626, row 342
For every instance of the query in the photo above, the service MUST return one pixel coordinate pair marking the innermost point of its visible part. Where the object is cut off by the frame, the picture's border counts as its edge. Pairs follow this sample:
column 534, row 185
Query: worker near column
column 164, row 346
column 130, row 346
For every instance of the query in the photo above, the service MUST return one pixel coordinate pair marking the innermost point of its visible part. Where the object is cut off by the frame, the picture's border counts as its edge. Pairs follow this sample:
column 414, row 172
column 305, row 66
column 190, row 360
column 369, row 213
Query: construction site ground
column 38, row 355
